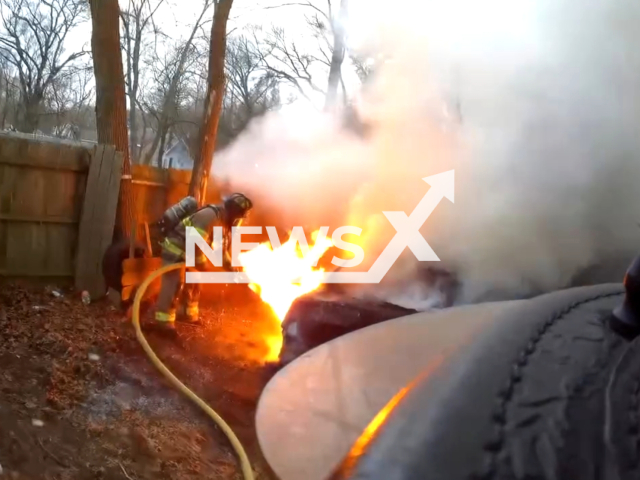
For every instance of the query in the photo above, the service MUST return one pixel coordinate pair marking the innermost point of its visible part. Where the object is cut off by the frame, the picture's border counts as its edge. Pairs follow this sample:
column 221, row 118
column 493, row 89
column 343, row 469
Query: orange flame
column 280, row 276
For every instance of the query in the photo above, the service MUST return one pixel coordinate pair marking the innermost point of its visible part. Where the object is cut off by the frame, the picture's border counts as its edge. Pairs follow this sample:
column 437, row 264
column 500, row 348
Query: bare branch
column 136, row 20
column 287, row 62
column 33, row 41
column 169, row 71
column 303, row 4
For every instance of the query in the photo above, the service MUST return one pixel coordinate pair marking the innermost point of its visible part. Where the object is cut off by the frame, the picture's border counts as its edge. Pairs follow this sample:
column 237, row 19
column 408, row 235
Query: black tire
column 550, row 392
column 112, row 262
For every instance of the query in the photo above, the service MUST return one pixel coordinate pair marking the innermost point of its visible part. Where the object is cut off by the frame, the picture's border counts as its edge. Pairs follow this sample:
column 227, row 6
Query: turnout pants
column 176, row 295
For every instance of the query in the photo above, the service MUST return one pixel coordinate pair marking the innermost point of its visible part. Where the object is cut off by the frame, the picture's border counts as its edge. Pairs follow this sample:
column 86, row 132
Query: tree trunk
column 133, row 73
column 133, row 127
column 148, row 157
column 143, row 135
column 4, row 82
column 163, row 145
column 111, row 107
column 29, row 119
column 169, row 143
column 8, row 98
column 213, row 102
column 345, row 97
column 335, row 71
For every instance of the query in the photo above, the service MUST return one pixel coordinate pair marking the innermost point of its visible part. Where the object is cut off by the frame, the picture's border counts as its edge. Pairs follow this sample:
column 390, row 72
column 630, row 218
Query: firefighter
column 230, row 213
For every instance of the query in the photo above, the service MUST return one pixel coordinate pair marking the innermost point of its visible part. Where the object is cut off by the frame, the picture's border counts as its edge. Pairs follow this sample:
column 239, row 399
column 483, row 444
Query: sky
column 457, row 22
column 176, row 18
column 443, row 19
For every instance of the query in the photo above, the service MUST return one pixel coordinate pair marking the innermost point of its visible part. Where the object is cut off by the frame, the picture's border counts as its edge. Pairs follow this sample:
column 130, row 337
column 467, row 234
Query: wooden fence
column 42, row 193
column 156, row 190
column 41, row 190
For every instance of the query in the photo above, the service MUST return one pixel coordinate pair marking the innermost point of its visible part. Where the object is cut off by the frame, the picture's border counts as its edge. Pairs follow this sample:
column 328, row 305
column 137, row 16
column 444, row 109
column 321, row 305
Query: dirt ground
column 80, row 400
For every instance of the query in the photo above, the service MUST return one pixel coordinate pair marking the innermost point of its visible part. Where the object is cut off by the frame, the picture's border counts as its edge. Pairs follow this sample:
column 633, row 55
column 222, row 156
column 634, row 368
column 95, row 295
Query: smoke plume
column 535, row 104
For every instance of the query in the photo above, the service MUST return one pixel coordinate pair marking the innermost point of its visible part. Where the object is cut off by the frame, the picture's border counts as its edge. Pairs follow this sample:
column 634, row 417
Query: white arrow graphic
column 407, row 233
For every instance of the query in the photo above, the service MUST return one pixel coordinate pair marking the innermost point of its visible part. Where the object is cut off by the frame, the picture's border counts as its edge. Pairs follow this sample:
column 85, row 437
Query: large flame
column 283, row 274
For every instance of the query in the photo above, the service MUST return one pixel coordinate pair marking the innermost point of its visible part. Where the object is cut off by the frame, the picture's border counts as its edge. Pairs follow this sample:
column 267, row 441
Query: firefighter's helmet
column 237, row 206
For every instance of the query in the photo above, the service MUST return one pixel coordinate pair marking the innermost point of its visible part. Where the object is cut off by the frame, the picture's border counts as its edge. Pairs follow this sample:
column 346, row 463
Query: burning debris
column 281, row 275
column 333, row 311
column 288, row 280
column 321, row 317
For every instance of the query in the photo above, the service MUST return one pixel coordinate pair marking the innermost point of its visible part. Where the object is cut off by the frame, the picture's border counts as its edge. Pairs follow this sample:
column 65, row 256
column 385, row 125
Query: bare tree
column 288, row 62
column 363, row 66
column 9, row 93
column 188, row 121
column 298, row 67
column 213, row 100
column 111, row 105
column 171, row 71
column 136, row 19
column 338, row 30
column 169, row 94
column 66, row 101
column 33, row 42
column 251, row 90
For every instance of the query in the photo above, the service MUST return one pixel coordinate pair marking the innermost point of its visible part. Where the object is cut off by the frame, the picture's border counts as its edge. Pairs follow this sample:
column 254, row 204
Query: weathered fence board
column 98, row 218
column 40, row 182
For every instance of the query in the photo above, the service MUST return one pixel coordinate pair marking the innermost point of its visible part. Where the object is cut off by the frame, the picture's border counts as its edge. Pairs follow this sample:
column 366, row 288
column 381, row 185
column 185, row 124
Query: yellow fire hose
column 247, row 472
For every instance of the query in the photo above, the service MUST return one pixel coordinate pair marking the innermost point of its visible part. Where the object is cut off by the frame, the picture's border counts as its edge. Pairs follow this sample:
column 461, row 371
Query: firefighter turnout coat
column 173, row 251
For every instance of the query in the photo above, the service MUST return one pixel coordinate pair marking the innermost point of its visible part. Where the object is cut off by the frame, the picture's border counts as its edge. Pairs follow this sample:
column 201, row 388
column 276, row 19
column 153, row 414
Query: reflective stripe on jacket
column 171, row 246
column 203, row 221
column 188, row 222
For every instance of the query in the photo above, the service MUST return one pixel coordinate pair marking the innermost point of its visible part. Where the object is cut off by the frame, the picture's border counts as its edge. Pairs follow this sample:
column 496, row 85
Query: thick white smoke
column 546, row 152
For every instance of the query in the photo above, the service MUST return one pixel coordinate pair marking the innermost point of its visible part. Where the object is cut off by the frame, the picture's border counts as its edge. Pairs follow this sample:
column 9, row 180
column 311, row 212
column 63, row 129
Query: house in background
column 177, row 156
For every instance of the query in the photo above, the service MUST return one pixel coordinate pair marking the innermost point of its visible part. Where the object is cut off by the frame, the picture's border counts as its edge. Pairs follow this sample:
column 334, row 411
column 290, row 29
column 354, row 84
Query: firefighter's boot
column 165, row 323
column 190, row 314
